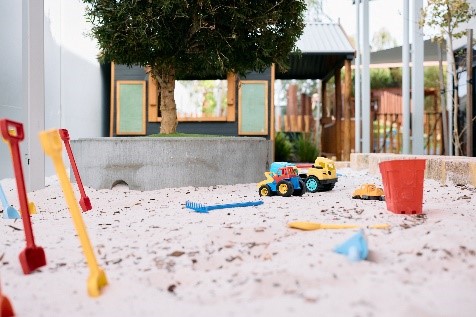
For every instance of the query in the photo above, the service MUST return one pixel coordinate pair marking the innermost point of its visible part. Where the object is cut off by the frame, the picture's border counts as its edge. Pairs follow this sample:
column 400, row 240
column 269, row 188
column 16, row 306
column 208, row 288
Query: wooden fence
column 387, row 133
column 295, row 123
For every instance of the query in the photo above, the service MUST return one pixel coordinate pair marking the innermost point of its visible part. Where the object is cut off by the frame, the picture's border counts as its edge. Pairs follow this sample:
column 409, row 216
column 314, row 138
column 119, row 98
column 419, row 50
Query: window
column 205, row 99
column 197, row 100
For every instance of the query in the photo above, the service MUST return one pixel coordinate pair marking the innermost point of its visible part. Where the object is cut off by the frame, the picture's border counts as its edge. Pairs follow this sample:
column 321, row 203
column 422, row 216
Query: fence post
column 469, row 94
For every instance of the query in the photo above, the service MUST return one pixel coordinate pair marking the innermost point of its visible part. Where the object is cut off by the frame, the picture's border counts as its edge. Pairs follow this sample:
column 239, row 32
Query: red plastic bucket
column 403, row 185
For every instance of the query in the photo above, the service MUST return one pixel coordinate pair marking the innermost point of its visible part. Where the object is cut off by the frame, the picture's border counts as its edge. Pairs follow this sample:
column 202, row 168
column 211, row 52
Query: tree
column 446, row 16
column 204, row 38
column 314, row 11
column 382, row 40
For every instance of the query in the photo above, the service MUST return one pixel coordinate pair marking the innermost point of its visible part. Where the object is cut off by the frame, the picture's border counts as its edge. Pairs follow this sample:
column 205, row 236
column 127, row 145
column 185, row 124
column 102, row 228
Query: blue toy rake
column 8, row 211
column 204, row 209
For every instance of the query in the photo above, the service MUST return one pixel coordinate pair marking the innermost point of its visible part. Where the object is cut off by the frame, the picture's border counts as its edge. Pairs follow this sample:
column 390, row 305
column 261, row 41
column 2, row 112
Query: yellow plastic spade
column 303, row 225
column 51, row 143
column 32, row 208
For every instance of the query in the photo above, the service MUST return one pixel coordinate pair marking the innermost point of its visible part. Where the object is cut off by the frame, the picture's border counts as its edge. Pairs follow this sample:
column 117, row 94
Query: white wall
column 73, row 70
column 10, row 73
column 74, row 89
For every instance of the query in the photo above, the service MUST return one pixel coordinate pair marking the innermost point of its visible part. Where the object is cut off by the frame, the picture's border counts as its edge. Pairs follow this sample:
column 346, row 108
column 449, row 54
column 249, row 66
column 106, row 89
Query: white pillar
column 418, row 89
column 33, row 74
column 406, row 79
column 366, row 124
column 449, row 97
column 358, row 106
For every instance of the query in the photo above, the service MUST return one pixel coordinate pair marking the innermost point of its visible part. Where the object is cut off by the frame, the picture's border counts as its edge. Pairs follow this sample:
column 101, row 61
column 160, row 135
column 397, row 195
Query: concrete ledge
column 342, row 164
column 456, row 169
column 153, row 163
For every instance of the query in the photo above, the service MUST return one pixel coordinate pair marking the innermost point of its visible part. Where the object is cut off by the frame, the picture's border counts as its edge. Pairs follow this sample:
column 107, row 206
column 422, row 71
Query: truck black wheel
column 265, row 191
column 285, row 188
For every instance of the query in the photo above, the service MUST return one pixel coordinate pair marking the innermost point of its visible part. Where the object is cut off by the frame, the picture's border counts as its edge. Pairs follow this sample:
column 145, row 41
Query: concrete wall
column 456, row 169
column 11, row 105
column 154, row 163
column 76, row 97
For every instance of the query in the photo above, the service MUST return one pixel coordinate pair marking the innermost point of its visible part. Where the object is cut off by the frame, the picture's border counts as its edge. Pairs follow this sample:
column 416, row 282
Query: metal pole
column 366, row 124
column 469, row 94
column 418, row 88
column 406, row 79
column 33, row 73
column 449, row 97
column 357, row 81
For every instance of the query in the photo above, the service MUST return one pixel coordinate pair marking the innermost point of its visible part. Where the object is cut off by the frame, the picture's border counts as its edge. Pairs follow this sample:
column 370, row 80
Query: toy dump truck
column 369, row 191
column 321, row 176
column 282, row 179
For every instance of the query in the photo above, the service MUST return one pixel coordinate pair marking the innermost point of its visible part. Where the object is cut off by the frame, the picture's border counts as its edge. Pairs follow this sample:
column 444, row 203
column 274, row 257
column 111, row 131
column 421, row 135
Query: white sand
column 162, row 259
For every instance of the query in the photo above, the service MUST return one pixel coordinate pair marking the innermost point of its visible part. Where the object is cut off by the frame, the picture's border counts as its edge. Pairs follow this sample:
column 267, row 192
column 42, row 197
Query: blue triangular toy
column 355, row 247
column 8, row 211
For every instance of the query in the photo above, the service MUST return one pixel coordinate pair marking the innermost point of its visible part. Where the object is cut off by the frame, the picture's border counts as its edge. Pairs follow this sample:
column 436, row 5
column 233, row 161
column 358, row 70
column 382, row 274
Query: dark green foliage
column 396, row 76
column 431, row 77
column 201, row 38
column 282, row 148
column 380, row 78
column 295, row 147
column 392, row 77
column 305, row 150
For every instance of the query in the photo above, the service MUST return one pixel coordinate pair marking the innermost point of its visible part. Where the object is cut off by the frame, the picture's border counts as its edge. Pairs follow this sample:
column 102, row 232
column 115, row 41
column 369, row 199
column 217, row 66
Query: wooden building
column 135, row 106
column 249, row 108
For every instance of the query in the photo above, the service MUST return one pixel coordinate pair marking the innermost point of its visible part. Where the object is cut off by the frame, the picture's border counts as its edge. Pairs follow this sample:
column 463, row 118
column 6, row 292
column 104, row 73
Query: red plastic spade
column 84, row 202
column 6, row 309
column 33, row 257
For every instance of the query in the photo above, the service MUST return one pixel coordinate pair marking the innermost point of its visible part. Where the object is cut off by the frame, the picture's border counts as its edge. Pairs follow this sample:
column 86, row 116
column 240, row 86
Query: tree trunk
column 454, row 94
column 469, row 93
column 443, row 103
column 166, row 78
